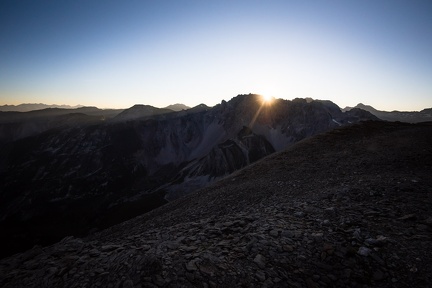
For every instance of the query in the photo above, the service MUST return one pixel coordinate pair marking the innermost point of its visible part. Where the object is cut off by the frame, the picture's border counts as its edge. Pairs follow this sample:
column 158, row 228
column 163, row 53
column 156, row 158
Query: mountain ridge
column 177, row 107
column 16, row 125
column 402, row 116
column 26, row 107
column 358, row 222
column 76, row 178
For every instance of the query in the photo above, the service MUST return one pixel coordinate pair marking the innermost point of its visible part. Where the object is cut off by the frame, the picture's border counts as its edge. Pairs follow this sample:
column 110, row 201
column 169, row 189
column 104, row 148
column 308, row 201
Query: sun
column 267, row 99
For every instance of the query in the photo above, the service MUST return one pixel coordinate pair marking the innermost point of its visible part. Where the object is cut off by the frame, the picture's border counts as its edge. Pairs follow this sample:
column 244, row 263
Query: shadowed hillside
column 348, row 208
column 91, row 173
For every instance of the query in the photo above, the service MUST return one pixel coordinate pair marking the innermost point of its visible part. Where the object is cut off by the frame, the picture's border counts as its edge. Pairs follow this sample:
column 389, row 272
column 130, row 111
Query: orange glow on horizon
column 267, row 99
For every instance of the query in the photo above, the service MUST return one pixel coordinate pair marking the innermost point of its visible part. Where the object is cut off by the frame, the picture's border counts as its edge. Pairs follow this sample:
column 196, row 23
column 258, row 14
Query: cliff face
column 76, row 178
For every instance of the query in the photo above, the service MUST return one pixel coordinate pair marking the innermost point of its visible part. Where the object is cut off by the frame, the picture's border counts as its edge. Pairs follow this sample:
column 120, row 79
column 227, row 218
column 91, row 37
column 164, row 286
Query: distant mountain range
column 26, row 107
column 402, row 116
column 34, row 106
column 67, row 172
column 141, row 110
column 17, row 125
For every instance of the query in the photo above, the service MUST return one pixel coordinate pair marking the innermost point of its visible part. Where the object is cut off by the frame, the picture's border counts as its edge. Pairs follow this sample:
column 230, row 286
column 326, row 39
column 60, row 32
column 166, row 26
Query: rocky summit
column 348, row 208
column 88, row 172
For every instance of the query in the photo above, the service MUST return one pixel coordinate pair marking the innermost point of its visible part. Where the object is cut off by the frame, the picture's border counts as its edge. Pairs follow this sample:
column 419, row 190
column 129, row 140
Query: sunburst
column 267, row 99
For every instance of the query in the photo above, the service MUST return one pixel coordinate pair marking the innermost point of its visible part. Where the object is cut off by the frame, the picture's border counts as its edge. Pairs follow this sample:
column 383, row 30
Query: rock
column 364, row 251
column 191, row 265
column 311, row 284
column 260, row 261
column 188, row 248
column 128, row 284
column 357, row 234
column 329, row 248
column 251, row 243
column 428, row 221
column 288, row 248
column 377, row 258
column 108, row 248
column 207, row 269
column 422, row 227
column 159, row 280
column 52, row 270
column 144, row 247
column 94, row 253
column 378, row 275
column 190, row 276
column 299, row 214
column 378, row 242
column 331, row 211
column 228, row 224
column 408, row 217
column 260, row 275
column 287, row 234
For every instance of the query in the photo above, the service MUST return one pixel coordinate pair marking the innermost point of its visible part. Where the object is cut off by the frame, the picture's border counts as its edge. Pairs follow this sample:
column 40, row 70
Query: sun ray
column 266, row 100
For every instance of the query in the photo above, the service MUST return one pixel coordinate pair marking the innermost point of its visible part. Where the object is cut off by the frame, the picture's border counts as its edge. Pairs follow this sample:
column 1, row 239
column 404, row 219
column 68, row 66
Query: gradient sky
column 120, row 53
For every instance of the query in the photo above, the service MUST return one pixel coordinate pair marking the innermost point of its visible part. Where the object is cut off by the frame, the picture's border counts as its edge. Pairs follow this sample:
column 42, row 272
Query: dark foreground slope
column 349, row 208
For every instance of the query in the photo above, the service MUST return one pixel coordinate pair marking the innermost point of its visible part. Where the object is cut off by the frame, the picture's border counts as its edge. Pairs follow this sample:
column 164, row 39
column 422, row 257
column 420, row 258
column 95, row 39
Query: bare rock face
column 347, row 208
column 77, row 178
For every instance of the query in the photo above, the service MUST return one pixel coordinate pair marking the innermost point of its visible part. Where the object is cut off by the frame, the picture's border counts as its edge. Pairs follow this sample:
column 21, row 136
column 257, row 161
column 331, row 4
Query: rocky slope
column 402, row 116
column 78, row 178
column 348, row 208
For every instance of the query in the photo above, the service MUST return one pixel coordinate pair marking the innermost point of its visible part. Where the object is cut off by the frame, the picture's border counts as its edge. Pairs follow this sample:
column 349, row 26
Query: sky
column 114, row 54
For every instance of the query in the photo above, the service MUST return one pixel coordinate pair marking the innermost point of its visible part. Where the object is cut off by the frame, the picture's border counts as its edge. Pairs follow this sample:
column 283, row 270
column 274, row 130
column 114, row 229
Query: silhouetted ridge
column 403, row 116
column 177, row 107
column 140, row 111
column 87, row 173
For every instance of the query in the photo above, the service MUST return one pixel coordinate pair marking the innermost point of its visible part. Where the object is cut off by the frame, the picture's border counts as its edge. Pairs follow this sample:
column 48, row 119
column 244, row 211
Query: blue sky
column 120, row 53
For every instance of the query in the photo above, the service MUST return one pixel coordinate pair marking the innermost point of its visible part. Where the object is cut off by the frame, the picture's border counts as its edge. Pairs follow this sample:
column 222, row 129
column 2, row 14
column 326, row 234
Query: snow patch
column 336, row 122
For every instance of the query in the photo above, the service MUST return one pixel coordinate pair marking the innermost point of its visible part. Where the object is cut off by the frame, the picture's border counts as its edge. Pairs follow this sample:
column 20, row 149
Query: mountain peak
column 177, row 107
column 402, row 116
column 140, row 111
